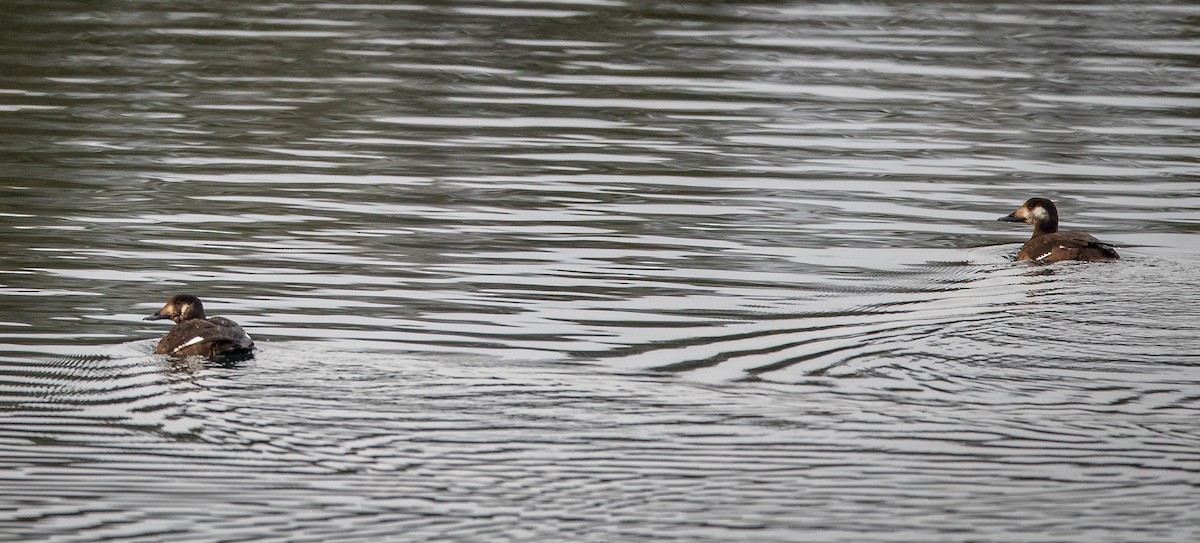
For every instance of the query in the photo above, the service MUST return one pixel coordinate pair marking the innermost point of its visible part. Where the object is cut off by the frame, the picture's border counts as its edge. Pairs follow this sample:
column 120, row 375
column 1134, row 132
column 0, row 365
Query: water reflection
column 598, row 270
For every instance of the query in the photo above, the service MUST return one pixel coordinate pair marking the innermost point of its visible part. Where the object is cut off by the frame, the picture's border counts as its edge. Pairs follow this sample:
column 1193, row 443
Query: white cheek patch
column 1040, row 214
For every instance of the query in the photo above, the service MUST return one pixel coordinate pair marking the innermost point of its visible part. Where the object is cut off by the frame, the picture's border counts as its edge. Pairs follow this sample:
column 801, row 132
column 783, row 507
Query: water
column 599, row 271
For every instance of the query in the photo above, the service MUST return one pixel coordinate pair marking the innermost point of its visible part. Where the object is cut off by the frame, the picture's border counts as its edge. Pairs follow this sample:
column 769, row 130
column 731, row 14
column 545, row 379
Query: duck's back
column 217, row 337
column 1067, row 246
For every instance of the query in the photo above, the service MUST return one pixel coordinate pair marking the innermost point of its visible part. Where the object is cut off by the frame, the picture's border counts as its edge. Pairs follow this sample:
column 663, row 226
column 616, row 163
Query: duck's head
column 1038, row 212
column 179, row 308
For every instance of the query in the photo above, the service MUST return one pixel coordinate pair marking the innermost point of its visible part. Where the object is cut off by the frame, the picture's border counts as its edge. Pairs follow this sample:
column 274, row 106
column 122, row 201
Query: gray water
column 599, row 270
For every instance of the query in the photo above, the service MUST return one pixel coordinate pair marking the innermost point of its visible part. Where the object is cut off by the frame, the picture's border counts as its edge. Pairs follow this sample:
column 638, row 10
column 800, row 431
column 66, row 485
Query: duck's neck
column 1047, row 224
column 1043, row 229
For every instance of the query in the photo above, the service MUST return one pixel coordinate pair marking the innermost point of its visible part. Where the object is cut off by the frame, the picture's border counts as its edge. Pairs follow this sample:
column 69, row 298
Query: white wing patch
column 189, row 343
column 1050, row 252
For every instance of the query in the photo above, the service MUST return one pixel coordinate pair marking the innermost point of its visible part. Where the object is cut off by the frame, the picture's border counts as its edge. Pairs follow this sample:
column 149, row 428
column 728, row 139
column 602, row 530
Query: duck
column 194, row 334
column 1048, row 244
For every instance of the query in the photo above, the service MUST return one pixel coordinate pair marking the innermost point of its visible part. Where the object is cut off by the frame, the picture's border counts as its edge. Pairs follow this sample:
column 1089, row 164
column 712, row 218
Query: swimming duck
column 195, row 335
column 1050, row 245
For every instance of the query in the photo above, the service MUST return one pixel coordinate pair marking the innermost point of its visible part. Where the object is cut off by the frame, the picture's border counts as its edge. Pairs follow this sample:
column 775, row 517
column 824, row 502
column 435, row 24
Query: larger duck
column 196, row 335
column 1048, row 244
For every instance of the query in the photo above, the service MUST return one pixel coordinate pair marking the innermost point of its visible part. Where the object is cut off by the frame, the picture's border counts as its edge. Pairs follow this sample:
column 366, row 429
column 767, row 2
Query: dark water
column 599, row 271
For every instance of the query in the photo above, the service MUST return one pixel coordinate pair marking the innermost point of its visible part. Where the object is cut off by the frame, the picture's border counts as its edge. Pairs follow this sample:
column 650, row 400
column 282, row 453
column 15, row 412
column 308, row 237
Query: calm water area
column 599, row 270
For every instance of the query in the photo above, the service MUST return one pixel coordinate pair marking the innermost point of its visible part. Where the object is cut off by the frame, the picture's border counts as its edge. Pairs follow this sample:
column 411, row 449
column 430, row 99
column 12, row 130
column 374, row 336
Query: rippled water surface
column 599, row 270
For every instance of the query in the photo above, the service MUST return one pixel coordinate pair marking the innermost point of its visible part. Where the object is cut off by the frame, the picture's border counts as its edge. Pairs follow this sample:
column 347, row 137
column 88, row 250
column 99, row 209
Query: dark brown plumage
column 195, row 335
column 1050, row 245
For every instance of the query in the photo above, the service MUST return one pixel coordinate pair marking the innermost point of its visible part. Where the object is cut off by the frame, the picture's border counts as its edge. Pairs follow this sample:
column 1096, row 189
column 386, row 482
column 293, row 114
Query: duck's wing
column 1075, row 246
column 208, row 338
column 233, row 332
column 190, row 337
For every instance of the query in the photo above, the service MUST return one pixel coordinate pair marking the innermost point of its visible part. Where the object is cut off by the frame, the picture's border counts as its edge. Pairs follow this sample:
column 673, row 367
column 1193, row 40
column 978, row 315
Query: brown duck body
column 1048, row 244
column 196, row 335
column 1066, row 246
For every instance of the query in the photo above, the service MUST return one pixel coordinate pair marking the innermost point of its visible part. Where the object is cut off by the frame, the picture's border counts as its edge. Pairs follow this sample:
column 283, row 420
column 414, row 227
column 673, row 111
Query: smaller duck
column 194, row 335
column 1050, row 245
